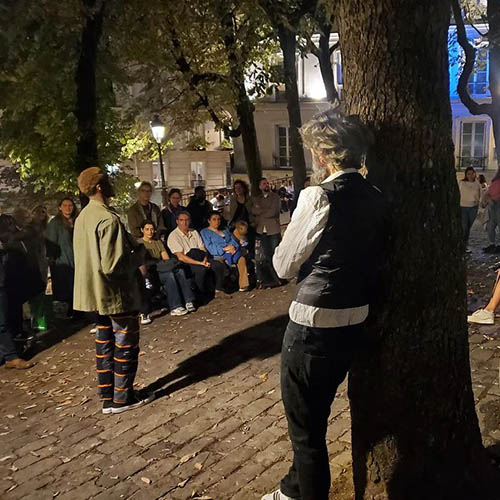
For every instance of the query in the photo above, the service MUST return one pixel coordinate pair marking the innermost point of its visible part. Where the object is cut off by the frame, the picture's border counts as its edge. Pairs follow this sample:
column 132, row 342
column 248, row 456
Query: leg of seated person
column 200, row 277
column 495, row 298
column 242, row 273
column 169, row 283
column 185, row 285
column 219, row 269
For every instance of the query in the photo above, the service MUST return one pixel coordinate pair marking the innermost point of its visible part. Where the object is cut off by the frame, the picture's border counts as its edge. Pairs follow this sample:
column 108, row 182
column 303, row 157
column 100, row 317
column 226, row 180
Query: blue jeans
column 177, row 287
column 469, row 215
column 314, row 362
column 493, row 220
column 7, row 348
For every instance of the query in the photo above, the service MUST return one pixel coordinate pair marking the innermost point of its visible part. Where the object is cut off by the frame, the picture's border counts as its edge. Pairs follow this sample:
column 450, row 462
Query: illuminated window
column 283, row 146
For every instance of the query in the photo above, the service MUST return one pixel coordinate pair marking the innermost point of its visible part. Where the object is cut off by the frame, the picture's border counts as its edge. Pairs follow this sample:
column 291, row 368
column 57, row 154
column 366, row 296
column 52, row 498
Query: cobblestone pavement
column 217, row 429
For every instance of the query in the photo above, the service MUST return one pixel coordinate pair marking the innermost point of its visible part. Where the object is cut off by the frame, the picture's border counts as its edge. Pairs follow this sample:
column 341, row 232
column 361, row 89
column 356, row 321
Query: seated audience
column 224, row 247
column 171, row 211
column 165, row 271
column 187, row 245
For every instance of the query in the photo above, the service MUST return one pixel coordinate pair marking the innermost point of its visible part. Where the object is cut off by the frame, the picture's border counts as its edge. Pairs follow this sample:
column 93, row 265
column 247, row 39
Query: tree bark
column 244, row 106
column 85, row 80
column 245, row 110
column 415, row 432
column 325, row 66
column 287, row 39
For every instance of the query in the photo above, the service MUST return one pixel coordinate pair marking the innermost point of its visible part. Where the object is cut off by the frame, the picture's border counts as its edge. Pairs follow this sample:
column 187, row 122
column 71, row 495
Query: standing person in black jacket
column 199, row 208
column 334, row 243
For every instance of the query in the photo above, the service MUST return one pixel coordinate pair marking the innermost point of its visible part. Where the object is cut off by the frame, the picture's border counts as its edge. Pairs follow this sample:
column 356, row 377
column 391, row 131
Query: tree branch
column 470, row 56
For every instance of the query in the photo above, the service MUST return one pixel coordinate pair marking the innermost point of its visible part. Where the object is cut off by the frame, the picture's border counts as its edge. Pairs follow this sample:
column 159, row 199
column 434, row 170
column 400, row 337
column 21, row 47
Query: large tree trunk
column 245, row 110
column 85, row 80
column 288, row 45
column 415, row 433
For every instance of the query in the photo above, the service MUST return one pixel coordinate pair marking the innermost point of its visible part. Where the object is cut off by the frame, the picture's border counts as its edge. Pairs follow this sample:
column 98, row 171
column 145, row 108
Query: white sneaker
column 93, row 331
column 482, row 316
column 190, row 307
column 145, row 319
column 276, row 495
column 178, row 311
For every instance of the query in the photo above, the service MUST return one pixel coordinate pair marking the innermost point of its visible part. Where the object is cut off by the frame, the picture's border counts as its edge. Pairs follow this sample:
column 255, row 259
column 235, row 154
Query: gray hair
column 340, row 141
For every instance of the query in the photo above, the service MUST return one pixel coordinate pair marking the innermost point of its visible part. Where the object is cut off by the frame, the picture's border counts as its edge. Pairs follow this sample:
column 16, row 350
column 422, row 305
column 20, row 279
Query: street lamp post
column 158, row 130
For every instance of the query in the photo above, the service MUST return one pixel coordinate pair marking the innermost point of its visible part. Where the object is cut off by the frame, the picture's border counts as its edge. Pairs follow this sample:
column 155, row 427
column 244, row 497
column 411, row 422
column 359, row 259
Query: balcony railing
column 476, row 162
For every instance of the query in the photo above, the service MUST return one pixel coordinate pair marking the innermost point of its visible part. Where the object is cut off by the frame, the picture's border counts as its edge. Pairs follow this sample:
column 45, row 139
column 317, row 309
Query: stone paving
column 217, row 429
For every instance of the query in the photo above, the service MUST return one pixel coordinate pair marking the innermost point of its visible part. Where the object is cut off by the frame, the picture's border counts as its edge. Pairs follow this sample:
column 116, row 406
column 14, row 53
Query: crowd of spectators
column 192, row 254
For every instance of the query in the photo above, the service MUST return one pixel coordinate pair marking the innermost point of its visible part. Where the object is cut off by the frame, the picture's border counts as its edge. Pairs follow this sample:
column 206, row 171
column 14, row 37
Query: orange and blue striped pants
column 117, row 353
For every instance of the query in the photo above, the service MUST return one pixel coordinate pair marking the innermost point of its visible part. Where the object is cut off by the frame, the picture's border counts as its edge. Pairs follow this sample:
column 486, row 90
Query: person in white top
column 470, row 196
column 334, row 243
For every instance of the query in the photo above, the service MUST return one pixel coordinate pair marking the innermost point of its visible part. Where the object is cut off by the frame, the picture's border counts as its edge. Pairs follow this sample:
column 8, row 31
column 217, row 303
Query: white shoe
column 145, row 319
column 276, row 495
column 190, row 307
column 178, row 311
column 93, row 331
column 482, row 316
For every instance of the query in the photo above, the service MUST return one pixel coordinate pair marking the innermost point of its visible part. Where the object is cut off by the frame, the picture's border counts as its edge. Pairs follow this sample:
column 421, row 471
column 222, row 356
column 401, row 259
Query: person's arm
column 303, row 233
column 113, row 248
column 188, row 260
column 163, row 252
column 52, row 246
column 209, row 240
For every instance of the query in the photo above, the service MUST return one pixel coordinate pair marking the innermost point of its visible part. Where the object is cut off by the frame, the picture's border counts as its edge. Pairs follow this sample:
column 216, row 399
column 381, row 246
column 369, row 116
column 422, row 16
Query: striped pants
column 117, row 352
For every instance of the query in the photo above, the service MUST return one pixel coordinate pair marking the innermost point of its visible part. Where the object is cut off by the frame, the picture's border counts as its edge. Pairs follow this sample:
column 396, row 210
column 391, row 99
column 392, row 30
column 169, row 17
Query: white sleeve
column 303, row 233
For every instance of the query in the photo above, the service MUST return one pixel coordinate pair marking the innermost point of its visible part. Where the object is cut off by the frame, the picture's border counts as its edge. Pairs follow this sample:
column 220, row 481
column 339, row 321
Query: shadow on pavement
column 260, row 341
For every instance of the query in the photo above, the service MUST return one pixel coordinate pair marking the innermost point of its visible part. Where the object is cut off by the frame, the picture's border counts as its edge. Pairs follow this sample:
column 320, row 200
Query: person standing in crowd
column 21, row 280
column 144, row 209
column 37, row 254
column 213, row 201
column 470, row 195
column 167, row 273
column 199, row 208
column 8, row 352
column 493, row 199
column 239, row 210
column 187, row 245
column 335, row 242
column 171, row 211
column 60, row 252
column 224, row 248
column 265, row 215
column 107, row 281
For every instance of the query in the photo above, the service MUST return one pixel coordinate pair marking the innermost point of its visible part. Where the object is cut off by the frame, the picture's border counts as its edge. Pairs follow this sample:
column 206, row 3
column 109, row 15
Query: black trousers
column 204, row 277
column 314, row 362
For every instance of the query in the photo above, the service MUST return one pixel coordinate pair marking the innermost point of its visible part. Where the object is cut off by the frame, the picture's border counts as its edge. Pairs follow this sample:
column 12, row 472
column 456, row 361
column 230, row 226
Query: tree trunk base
column 485, row 486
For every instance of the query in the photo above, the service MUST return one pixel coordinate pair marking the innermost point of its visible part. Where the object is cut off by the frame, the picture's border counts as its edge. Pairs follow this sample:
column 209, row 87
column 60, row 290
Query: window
column 478, row 80
column 198, row 176
column 473, row 145
column 283, row 149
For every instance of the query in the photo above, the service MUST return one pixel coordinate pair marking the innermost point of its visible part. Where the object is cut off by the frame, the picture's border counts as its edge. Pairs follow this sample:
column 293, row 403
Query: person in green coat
column 60, row 252
column 107, row 281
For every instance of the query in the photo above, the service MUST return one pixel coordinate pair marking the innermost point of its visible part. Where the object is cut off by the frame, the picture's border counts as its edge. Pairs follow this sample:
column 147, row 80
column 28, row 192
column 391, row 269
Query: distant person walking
column 107, row 280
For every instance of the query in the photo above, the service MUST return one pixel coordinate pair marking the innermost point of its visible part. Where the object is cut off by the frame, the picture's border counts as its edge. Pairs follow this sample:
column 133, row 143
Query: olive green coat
column 107, row 258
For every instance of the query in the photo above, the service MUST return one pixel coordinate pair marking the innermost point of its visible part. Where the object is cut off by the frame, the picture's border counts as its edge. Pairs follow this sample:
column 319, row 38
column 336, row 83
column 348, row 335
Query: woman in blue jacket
column 224, row 247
